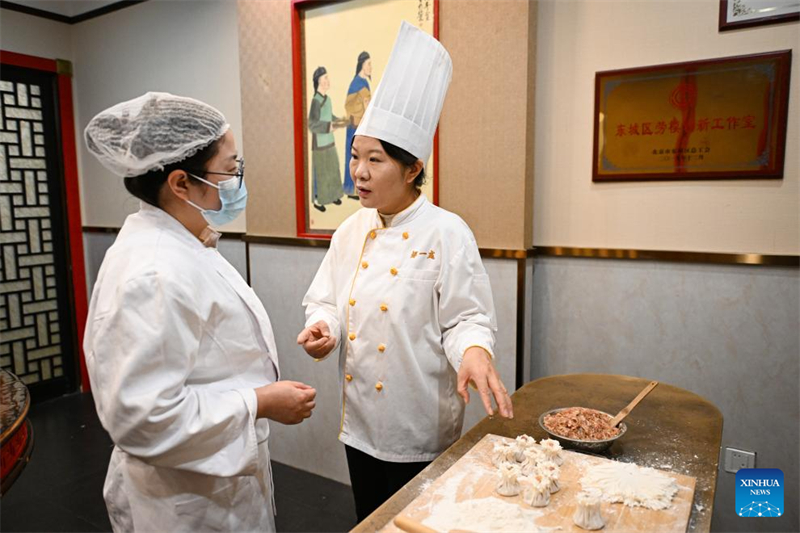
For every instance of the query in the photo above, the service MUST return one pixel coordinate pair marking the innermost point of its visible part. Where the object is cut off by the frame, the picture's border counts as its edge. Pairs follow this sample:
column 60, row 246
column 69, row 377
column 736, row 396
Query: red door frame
column 71, row 191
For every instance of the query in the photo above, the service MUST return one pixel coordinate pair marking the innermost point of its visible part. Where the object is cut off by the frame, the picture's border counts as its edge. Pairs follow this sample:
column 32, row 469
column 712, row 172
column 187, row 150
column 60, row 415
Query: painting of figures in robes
column 340, row 51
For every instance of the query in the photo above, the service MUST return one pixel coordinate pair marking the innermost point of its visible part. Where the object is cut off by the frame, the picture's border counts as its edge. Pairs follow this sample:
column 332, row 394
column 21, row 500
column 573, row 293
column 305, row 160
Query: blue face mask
column 232, row 196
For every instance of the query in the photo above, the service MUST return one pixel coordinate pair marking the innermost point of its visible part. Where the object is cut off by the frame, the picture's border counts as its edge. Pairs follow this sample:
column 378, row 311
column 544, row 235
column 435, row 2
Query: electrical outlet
column 737, row 459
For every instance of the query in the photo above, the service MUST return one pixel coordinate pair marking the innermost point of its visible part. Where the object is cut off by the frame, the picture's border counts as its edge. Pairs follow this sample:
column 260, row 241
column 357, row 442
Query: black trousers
column 374, row 481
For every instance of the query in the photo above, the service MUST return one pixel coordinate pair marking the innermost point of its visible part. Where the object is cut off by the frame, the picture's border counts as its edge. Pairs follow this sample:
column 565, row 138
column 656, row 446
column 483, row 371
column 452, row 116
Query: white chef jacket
column 175, row 343
column 405, row 302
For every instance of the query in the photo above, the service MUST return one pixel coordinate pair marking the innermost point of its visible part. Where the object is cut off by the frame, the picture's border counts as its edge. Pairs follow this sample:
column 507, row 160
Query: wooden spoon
column 628, row 408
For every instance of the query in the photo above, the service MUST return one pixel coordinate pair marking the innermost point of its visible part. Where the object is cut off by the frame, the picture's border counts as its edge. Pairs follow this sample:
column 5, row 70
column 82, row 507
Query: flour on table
column 450, row 488
column 632, row 485
column 485, row 514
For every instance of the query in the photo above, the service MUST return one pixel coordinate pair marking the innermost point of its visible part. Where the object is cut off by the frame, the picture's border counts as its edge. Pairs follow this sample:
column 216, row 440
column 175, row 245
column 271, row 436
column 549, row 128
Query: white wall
column 235, row 251
column 280, row 275
column 35, row 36
column 577, row 38
column 184, row 47
column 728, row 333
column 94, row 250
column 503, row 278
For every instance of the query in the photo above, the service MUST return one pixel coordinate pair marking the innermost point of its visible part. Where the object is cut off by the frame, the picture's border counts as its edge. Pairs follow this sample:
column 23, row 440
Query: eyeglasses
column 239, row 172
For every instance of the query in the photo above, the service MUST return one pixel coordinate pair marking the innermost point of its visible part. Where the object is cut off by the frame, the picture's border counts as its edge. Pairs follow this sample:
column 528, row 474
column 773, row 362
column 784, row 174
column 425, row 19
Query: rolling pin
column 411, row 526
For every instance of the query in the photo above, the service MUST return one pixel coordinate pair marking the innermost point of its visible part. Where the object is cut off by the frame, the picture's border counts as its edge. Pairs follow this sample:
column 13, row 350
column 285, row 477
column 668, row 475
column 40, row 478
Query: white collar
column 407, row 214
column 163, row 220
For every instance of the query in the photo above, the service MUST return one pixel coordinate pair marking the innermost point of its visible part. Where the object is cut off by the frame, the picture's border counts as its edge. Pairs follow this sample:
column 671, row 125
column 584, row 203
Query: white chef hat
column 152, row 131
column 405, row 108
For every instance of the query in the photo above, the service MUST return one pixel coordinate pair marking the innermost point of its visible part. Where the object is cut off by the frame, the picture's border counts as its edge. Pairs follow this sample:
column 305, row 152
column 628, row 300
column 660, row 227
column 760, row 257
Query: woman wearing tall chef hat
column 180, row 351
column 402, row 291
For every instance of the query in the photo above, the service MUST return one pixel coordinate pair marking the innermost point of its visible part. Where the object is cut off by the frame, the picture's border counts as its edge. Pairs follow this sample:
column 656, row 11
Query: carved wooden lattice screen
column 37, row 342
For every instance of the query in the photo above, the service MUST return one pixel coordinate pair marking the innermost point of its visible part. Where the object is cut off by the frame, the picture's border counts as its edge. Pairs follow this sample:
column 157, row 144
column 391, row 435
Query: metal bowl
column 592, row 446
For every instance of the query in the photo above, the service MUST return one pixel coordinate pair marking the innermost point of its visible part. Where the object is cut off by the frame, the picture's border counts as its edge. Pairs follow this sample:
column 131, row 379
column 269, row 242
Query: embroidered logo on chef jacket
column 759, row 492
column 430, row 255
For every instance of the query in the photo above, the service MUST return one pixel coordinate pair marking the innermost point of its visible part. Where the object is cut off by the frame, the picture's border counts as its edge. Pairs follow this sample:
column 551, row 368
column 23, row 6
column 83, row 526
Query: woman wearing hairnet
column 402, row 291
column 179, row 349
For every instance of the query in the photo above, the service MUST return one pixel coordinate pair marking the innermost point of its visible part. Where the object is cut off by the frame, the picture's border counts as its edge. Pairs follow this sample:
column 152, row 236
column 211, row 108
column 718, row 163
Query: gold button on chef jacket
column 424, row 300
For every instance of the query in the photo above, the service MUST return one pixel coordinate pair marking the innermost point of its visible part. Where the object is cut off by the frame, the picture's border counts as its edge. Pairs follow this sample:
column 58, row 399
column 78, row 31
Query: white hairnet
column 152, row 131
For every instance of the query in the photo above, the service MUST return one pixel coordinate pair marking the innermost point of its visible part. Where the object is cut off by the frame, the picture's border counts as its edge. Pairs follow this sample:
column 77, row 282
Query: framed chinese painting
column 735, row 14
column 713, row 119
column 340, row 50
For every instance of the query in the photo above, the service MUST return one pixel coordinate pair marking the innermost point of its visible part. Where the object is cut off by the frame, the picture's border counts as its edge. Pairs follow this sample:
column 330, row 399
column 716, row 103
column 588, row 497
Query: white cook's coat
column 405, row 302
column 175, row 343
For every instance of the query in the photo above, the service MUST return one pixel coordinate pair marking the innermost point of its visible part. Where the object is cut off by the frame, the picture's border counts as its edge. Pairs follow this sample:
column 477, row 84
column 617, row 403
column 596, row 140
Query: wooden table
column 16, row 432
column 672, row 429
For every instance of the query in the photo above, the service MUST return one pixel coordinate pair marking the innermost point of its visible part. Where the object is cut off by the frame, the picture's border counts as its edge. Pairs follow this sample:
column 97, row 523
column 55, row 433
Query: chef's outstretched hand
column 317, row 340
column 477, row 367
column 287, row 402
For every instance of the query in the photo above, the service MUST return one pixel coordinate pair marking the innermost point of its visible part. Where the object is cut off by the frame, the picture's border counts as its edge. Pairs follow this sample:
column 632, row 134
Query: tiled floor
column 61, row 488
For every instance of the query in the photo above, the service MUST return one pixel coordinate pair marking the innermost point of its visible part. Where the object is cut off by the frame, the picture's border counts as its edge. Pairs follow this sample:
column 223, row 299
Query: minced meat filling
column 581, row 423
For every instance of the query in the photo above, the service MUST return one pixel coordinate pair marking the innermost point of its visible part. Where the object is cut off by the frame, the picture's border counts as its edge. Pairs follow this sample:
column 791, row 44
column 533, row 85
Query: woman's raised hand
column 317, row 340
column 477, row 367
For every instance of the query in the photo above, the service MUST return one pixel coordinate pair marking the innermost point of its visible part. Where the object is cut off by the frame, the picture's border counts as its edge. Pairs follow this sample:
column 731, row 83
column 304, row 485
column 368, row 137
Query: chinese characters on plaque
column 720, row 118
